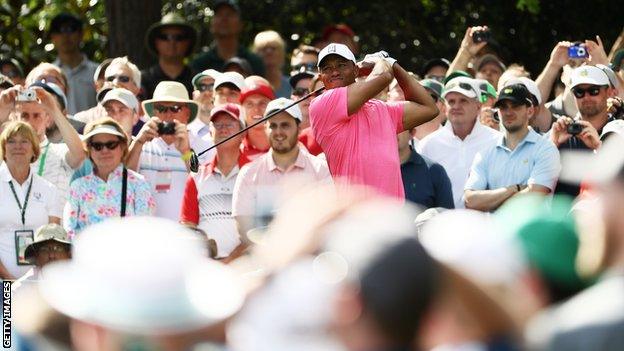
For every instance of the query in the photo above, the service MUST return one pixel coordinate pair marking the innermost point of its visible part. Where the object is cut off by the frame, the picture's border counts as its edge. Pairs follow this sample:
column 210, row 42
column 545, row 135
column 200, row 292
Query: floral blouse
column 92, row 200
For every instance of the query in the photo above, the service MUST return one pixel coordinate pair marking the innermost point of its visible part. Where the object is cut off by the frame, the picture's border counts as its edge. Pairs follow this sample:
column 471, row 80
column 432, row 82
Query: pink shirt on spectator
column 362, row 147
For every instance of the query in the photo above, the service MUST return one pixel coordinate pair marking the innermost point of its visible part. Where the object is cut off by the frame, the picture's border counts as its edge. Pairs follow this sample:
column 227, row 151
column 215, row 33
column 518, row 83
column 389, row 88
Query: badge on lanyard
column 163, row 181
column 23, row 238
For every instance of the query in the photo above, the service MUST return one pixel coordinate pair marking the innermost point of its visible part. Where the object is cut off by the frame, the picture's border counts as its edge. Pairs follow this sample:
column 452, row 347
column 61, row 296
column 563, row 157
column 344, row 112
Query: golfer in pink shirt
column 357, row 132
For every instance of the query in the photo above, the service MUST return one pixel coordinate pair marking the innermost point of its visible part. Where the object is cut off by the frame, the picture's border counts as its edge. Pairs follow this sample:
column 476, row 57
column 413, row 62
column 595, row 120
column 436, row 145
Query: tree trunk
column 128, row 22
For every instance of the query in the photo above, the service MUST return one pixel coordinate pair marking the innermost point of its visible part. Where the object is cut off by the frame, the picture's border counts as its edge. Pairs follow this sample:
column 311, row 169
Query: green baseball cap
column 433, row 85
column 487, row 90
column 547, row 233
column 456, row 74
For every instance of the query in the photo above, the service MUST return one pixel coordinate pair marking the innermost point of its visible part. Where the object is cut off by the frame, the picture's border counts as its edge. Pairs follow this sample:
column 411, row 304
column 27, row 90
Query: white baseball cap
column 336, row 49
column 529, row 84
column 588, row 75
column 463, row 85
column 230, row 77
column 280, row 103
column 103, row 129
column 122, row 95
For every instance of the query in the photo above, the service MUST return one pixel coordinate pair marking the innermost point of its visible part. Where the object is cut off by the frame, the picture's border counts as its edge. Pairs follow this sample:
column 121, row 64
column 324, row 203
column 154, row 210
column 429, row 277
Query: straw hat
column 170, row 91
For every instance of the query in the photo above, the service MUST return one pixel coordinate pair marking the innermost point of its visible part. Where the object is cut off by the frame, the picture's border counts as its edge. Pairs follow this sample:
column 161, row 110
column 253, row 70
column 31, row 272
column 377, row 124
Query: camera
column 481, row 36
column 575, row 128
column 577, row 51
column 166, row 128
column 27, row 95
column 496, row 115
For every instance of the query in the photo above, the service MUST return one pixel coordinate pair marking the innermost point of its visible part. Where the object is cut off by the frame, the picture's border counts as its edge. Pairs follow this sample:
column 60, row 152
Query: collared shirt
column 152, row 76
column 211, row 59
column 92, row 200
column 199, row 129
column 42, row 203
column 362, row 147
column 53, row 161
column 250, row 151
column 258, row 182
column 208, row 203
column 81, row 90
column 534, row 161
column 164, row 169
column 456, row 155
column 426, row 182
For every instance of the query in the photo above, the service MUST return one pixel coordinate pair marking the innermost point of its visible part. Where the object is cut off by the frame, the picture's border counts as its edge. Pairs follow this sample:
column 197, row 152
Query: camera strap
column 124, row 186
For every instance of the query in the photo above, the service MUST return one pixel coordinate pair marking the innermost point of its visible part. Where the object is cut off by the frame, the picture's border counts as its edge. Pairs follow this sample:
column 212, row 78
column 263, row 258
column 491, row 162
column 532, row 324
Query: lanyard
column 43, row 160
column 22, row 209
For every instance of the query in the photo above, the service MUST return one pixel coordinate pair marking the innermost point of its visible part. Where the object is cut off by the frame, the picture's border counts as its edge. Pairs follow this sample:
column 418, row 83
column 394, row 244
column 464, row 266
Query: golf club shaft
column 264, row 119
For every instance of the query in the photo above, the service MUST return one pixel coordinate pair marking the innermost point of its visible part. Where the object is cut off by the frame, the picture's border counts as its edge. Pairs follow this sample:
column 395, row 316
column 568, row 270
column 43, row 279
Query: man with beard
column 520, row 162
column 590, row 87
column 256, row 184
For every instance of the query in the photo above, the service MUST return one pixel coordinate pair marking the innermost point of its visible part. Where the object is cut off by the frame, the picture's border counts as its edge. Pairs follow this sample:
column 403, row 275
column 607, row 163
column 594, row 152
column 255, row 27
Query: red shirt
column 307, row 139
column 250, row 151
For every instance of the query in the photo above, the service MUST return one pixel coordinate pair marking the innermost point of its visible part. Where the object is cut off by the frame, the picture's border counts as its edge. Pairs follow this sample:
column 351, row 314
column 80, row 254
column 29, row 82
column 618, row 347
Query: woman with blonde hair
column 111, row 190
column 270, row 46
column 28, row 200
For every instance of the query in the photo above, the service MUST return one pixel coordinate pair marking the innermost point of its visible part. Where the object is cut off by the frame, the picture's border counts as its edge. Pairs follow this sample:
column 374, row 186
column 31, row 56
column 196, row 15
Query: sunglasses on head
column 299, row 91
column 205, row 87
column 164, row 109
column 121, row 78
column 172, row 37
column 111, row 145
column 580, row 92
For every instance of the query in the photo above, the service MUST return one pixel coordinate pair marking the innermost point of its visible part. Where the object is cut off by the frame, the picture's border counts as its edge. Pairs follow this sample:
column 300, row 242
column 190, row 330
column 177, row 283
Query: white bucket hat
column 170, row 91
column 142, row 275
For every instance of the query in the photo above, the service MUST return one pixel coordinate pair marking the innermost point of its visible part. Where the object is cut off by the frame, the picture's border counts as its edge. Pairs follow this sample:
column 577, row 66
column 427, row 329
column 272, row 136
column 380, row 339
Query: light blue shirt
column 534, row 161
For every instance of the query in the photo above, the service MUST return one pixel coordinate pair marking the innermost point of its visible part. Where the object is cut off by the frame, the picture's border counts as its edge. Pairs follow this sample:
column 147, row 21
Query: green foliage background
column 412, row 31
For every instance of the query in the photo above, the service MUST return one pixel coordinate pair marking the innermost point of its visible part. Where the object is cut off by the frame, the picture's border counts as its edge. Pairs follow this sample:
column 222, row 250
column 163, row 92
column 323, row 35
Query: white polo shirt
column 163, row 167
column 456, row 155
column 53, row 161
column 42, row 203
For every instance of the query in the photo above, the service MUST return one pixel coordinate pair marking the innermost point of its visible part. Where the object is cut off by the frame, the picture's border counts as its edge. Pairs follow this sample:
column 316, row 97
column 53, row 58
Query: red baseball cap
column 231, row 110
column 342, row 28
column 261, row 89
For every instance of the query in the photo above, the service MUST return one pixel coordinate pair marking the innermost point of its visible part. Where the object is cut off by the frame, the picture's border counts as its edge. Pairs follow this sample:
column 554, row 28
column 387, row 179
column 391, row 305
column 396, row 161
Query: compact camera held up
column 166, row 128
column 26, row 95
column 481, row 36
column 574, row 128
column 577, row 51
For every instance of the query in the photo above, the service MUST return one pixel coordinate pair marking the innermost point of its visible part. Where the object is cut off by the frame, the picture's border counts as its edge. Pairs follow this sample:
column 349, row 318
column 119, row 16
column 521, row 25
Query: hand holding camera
column 26, row 95
column 166, row 128
column 482, row 34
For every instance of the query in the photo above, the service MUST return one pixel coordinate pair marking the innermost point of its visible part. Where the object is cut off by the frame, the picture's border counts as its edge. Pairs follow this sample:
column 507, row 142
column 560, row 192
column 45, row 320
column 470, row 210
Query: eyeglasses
column 304, row 67
column 52, row 248
column 121, row 78
column 111, row 145
column 299, row 91
column 205, row 87
column 219, row 126
column 580, row 92
column 172, row 108
column 172, row 37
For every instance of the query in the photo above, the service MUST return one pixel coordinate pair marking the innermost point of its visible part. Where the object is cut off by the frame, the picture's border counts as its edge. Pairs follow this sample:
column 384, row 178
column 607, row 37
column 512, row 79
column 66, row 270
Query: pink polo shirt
column 362, row 148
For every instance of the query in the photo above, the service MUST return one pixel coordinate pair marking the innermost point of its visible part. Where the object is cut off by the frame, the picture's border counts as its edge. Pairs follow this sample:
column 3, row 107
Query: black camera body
column 481, row 36
column 166, row 128
column 575, row 128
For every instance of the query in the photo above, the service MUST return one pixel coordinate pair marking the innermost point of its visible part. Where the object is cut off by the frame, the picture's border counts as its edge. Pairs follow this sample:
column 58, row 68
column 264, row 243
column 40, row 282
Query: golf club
column 194, row 161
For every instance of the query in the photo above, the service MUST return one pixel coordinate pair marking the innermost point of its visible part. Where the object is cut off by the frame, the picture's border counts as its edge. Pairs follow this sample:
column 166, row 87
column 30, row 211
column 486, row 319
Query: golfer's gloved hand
column 379, row 55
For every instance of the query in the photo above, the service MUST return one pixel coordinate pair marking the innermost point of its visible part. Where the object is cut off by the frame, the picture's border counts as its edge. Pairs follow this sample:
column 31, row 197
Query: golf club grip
column 264, row 119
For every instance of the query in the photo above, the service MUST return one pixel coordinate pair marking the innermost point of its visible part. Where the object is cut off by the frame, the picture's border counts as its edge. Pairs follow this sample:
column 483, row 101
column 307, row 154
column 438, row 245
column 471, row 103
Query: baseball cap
column 456, row 74
column 207, row 73
column 260, row 89
column 463, row 85
column 104, row 129
column 336, row 49
column 433, row 86
column 240, row 62
column 435, row 62
column 122, row 95
column 486, row 90
column 489, row 58
column 302, row 73
column 53, row 89
column 588, row 75
column 516, row 93
column 280, row 103
column 530, row 85
column 341, row 27
column 232, row 110
column 233, row 78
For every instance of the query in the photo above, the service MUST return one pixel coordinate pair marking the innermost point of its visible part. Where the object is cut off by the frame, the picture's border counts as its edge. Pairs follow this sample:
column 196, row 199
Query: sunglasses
column 580, row 92
column 299, row 91
column 172, row 37
column 111, row 145
column 304, row 67
column 205, row 87
column 164, row 109
column 121, row 78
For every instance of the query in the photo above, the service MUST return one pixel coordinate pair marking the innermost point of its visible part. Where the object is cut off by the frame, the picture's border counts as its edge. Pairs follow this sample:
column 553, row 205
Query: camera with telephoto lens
column 575, row 128
column 26, row 96
column 166, row 128
column 577, row 51
column 481, row 36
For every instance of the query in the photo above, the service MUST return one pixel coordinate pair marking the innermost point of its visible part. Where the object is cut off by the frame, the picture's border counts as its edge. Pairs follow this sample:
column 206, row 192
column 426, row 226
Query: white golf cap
column 336, row 49
column 280, row 103
column 463, row 85
column 234, row 78
column 122, row 95
column 588, row 75
column 529, row 84
column 103, row 129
